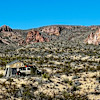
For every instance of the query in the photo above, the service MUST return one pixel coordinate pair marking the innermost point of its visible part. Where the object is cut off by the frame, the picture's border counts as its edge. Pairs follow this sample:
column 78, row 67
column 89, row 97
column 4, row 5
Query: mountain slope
column 8, row 36
column 16, row 37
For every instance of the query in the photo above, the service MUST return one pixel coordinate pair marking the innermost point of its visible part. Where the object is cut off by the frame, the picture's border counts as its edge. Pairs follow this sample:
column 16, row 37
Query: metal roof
column 13, row 62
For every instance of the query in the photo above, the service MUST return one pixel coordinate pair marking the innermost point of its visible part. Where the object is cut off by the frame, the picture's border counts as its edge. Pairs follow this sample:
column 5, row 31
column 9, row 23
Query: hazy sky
column 25, row 14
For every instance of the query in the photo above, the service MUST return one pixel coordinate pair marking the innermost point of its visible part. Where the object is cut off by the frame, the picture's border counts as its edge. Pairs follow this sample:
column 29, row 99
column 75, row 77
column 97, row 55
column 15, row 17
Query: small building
column 16, row 67
column 12, row 68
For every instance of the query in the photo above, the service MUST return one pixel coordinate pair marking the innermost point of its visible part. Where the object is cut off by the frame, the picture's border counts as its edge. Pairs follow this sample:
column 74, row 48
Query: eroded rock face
column 93, row 38
column 51, row 30
column 34, row 36
column 8, row 36
column 5, row 28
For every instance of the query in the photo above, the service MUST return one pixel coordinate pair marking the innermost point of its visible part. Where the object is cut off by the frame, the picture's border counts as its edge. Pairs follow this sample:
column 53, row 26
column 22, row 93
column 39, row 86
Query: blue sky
column 25, row 14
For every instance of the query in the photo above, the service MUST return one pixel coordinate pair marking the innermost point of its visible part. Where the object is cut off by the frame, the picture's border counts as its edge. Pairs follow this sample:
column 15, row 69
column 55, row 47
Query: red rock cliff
column 35, row 36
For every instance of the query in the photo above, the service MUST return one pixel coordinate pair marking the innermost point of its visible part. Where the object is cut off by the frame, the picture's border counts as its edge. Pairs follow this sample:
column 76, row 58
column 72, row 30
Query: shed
column 17, row 67
column 12, row 67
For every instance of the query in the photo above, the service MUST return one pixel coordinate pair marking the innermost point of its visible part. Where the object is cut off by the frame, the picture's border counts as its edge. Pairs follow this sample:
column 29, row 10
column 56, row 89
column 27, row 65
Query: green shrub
column 10, row 80
column 46, row 75
column 1, row 75
column 43, row 96
column 67, row 81
column 98, row 67
column 69, row 96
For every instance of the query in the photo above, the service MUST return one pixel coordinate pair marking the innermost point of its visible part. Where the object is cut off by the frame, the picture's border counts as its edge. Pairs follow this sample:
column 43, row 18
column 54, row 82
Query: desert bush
column 68, row 81
column 98, row 79
column 98, row 68
column 46, row 75
column 43, row 96
column 69, row 96
column 1, row 75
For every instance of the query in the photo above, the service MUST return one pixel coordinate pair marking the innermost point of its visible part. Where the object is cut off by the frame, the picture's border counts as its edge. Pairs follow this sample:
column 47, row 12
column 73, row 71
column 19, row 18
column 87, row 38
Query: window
column 14, row 71
column 23, row 68
column 28, row 68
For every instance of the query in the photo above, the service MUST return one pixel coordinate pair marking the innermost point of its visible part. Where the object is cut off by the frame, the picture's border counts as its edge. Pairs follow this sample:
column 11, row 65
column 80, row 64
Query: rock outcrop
column 34, row 36
column 9, row 36
column 5, row 28
column 49, row 33
column 93, row 38
column 5, row 41
column 51, row 30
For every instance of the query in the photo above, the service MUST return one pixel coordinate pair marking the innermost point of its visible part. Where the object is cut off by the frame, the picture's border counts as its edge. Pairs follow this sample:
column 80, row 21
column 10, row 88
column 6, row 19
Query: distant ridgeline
column 50, row 33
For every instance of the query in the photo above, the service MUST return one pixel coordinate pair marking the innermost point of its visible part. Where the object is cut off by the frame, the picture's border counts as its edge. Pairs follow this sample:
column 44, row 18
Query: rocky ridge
column 48, row 33
column 5, row 28
column 8, row 36
column 51, row 30
column 93, row 38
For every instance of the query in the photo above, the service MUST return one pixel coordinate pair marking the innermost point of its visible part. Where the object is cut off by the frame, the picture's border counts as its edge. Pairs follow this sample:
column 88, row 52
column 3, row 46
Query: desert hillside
column 69, row 63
